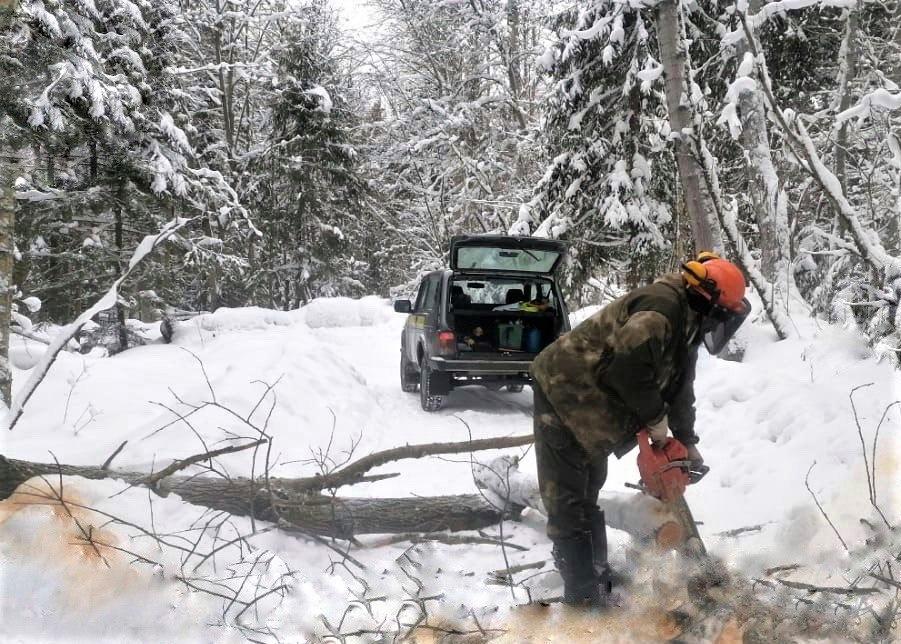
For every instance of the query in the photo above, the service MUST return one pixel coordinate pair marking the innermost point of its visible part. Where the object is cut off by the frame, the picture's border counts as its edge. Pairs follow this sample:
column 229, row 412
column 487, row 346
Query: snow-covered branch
column 62, row 338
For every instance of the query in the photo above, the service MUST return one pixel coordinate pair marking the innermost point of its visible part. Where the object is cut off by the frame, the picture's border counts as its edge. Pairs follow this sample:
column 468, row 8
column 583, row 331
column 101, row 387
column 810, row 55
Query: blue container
column 533, row 341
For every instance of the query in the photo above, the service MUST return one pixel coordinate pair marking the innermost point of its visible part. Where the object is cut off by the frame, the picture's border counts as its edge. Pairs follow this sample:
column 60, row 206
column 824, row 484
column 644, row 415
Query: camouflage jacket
column 624, row 368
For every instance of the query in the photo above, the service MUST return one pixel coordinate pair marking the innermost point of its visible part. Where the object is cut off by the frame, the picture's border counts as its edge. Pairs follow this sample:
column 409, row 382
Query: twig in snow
column 206, row 376
column 58, row 496
column 112, row 456
column 738, row 531
column 875, row 442
column 831, row 590
column 84, row 371
column 870, row 464
column 769, row 572
column 863, row 443
column 505, row 577
column 886, row 580
column 822, row 511
column 449, row 539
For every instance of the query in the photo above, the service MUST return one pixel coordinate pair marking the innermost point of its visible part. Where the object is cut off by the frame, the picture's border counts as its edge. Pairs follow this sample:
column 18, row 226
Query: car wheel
column 429, row 401
column 514, row 389
column 408, row 379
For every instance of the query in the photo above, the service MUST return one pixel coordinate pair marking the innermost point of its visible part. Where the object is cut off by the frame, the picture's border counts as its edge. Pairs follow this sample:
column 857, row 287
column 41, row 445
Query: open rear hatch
column 503, row 254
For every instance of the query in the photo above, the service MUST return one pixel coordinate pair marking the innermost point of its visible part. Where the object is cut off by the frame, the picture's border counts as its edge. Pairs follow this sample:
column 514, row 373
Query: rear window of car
column 506, row 259
column 499, row 291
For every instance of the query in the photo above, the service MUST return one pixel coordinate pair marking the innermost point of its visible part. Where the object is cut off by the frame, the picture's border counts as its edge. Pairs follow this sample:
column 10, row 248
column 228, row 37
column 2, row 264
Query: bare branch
column 822, row 511
column 863, row 443
column 353, row 472
column 191, row 460
column 738, row 531
column 446, row 538
column 832, row 590
column 112, row 456
column 886, row 580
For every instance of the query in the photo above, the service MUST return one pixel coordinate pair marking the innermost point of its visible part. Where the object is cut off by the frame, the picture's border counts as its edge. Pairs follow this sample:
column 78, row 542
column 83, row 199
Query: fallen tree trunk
column 312, row 513
column 298, row 505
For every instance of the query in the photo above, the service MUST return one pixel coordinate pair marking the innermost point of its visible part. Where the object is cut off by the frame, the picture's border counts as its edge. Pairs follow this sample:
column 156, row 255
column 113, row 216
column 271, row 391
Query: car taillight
column 447, row 341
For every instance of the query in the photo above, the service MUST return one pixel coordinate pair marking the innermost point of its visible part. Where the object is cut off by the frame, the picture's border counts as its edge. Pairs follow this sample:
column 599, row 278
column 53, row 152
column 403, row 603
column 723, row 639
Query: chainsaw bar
column 694, row 544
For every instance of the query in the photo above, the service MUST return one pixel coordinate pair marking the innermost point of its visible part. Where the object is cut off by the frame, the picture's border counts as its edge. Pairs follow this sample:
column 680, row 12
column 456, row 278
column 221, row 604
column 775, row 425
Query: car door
column 431, row 313
column 413, row 327
column 421, row 319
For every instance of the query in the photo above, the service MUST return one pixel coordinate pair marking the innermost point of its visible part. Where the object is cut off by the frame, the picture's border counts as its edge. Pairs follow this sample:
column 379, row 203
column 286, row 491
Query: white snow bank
column 321, row 312
column 344, row 312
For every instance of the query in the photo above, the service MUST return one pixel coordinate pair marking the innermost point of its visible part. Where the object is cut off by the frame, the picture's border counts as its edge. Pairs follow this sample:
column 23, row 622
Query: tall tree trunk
column 673, row 57
column 120, row 251
column 8, row 173
column 8, row 168
column 848, row 71
column 768, row 199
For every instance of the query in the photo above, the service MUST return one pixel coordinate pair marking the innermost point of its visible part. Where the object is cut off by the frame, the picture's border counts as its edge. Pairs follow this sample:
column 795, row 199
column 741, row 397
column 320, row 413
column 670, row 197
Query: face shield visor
column 721, row 324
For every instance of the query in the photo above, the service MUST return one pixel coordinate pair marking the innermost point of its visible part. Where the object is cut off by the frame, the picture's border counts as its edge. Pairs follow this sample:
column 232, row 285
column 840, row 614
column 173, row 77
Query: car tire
column 429, row 401
column 514, row 389
column 409, row 380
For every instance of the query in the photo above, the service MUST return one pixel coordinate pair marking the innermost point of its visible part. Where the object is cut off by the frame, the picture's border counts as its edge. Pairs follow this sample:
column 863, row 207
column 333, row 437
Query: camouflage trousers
column 568, row 478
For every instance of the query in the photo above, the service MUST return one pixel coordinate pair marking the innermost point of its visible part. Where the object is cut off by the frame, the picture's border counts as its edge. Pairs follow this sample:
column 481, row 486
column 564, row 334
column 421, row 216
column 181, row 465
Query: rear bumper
column 481, row 367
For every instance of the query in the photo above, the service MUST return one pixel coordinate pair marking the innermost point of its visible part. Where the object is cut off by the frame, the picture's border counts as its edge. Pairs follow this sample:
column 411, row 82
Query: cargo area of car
column 507, row 332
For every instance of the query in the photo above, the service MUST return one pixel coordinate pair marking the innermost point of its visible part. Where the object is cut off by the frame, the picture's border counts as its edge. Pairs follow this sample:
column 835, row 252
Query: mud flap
column 439, row 383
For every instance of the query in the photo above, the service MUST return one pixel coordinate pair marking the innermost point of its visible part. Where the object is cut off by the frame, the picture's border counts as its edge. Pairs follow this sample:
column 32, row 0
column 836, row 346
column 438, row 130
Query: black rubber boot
column 573, row 557
column 599, row 552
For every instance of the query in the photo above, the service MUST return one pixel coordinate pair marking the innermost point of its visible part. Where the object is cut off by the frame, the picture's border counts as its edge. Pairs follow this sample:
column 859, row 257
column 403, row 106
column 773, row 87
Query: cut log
column 640, row 515
column 309, row 513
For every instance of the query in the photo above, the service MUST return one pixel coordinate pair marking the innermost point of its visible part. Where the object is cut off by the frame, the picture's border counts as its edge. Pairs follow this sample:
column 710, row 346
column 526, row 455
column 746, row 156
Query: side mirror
column 403, row 306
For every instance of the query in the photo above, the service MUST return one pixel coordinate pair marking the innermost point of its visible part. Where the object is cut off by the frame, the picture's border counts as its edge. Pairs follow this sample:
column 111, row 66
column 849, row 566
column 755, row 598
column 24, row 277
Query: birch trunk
column 848, row 70
column 673, row 57
column 768, row 199
column 7, row 227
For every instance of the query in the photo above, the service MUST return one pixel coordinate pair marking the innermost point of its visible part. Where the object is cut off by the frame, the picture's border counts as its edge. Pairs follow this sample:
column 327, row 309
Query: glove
column 695, row 456
column 658, row 431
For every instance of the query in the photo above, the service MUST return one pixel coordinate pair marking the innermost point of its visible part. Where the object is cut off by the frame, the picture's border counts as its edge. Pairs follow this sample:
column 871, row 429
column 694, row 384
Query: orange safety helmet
column 717, row 280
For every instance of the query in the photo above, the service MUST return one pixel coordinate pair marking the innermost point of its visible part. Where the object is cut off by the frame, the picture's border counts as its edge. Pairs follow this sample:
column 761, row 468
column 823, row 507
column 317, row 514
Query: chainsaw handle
column 696, row 473
column 645, row 444
column 644, row 441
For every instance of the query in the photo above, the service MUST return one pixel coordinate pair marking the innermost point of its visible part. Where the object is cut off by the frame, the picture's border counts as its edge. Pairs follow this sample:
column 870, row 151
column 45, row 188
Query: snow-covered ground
column 334, row 364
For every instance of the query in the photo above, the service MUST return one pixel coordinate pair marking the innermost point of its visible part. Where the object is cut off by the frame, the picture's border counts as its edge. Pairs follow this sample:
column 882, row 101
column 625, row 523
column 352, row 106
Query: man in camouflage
column 629, row 366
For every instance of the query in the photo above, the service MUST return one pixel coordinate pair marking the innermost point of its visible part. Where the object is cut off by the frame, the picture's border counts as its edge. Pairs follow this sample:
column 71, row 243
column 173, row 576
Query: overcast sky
column 354, row 13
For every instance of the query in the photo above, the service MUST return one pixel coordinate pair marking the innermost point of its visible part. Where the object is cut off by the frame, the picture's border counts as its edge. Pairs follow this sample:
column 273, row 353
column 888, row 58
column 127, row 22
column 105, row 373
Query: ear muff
column 707, row 255
column 695, row 275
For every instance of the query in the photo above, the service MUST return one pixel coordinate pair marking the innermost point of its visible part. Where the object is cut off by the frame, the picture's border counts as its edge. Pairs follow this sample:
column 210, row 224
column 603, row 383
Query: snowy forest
column 207, row 206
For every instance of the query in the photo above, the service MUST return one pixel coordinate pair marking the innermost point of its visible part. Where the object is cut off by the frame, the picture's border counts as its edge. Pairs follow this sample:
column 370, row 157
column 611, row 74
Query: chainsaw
column 666, row 472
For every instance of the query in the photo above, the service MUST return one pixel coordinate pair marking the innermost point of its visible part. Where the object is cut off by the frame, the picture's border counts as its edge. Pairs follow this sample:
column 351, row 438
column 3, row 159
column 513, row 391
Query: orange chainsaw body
column 663, row 469
column 666, row 472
